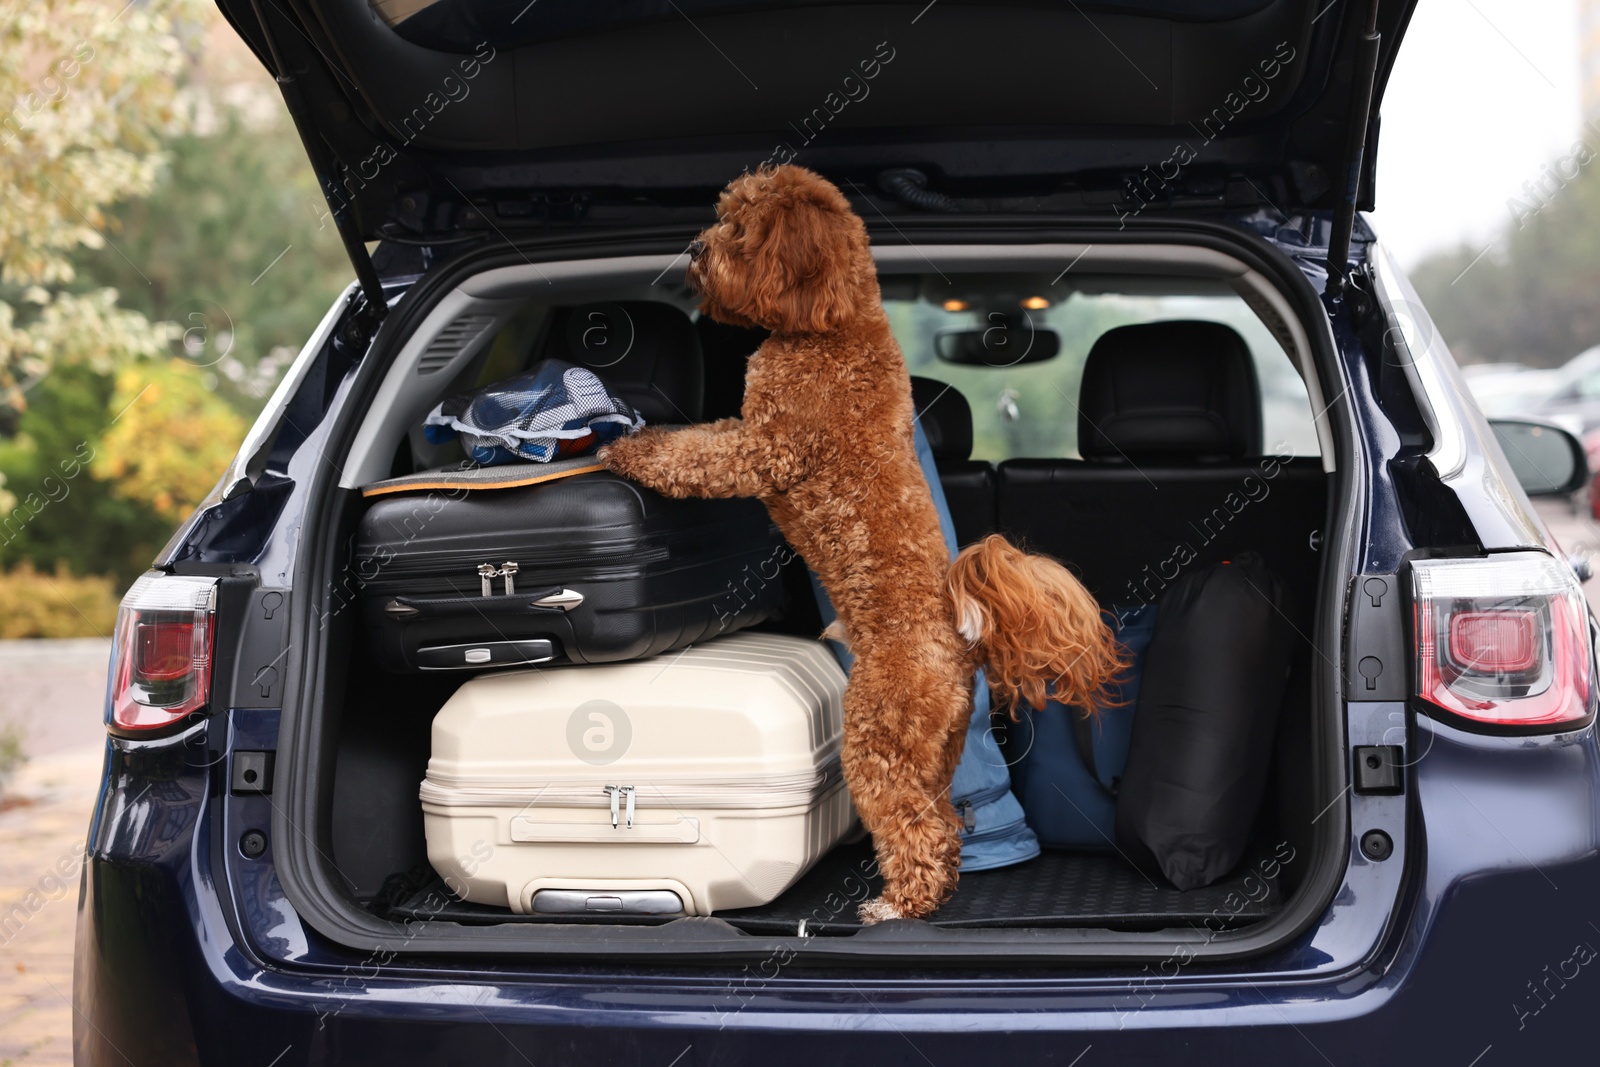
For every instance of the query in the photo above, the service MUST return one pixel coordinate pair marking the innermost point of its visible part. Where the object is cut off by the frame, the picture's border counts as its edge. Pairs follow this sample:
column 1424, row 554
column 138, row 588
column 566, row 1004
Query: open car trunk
column 357, row 742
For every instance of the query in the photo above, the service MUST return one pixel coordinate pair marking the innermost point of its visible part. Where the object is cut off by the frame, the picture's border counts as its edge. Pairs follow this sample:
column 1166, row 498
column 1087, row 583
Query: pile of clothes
column 553, row 411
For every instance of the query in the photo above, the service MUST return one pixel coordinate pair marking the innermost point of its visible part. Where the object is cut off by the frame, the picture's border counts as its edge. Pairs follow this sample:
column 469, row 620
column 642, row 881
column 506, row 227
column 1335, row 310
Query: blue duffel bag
column 994, row 831
column 1066, row 766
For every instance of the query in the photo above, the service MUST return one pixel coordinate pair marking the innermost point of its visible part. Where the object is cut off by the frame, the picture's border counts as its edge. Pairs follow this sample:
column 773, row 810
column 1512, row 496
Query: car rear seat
column 727, row 351
column 1173, row 476
column 969, row 484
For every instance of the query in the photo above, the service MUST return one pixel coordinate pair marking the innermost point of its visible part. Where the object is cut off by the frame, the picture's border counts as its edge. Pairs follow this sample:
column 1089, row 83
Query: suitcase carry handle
column 537, row 601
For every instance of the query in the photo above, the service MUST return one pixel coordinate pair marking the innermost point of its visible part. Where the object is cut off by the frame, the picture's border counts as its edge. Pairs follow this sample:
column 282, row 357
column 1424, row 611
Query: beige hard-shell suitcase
column 689, row 783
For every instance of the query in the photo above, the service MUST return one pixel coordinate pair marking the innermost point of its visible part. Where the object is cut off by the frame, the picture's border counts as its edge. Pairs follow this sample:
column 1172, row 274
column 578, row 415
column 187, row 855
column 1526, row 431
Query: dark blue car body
column 1477, row 945
column 1474, row 942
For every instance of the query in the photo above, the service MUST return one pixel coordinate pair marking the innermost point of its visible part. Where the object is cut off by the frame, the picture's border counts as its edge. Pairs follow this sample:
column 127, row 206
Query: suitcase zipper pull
column 969, row 817
column 508, row 571
column 616, row 793
column 486, row 573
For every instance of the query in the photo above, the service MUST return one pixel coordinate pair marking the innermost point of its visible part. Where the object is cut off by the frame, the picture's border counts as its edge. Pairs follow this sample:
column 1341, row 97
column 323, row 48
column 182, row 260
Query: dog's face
column 786, row 253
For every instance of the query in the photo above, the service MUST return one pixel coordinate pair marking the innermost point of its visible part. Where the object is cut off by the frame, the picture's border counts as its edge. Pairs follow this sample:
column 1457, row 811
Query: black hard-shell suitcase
column 587, row 569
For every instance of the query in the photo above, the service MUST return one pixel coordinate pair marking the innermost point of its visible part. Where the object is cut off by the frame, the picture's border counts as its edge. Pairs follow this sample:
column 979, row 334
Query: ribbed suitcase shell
column 653, row 573
column 731, row 749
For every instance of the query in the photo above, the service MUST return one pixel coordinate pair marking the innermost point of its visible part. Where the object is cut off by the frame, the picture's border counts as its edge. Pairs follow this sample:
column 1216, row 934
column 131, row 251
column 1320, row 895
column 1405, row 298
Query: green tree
column 62, row 514
column 233, row 247
column 157, row 202
column 1534, row 296
column 142, row 217
column 92, row 91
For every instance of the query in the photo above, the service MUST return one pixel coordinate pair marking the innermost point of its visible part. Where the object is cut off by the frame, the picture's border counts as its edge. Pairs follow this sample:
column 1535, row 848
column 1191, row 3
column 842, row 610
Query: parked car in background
column 1509, row 388
column 1574, row 396
column 1035, row 177
column 1591, row 449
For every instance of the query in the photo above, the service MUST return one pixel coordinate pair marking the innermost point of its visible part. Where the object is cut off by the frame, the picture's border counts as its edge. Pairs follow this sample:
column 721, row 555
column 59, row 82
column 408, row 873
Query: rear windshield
column 1030, row 409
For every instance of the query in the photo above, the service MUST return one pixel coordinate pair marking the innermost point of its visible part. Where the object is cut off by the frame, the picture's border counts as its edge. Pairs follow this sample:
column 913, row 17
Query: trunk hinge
column 1344, row 220
column 364, row 323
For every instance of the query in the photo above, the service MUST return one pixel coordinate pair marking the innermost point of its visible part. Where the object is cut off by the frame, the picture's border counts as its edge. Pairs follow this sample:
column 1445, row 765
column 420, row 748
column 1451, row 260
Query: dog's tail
column 1034, row 624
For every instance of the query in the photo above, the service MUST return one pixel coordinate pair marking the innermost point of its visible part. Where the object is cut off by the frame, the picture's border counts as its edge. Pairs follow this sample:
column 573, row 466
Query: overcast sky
column 1484, row 93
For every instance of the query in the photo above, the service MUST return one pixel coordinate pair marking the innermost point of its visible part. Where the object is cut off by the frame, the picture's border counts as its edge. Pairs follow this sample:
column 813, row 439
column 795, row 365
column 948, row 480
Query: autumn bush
column 172, row 440
column 41, row 604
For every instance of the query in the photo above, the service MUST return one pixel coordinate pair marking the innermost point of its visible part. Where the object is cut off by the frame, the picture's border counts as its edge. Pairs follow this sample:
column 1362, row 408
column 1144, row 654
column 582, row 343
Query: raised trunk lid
column 427, row 120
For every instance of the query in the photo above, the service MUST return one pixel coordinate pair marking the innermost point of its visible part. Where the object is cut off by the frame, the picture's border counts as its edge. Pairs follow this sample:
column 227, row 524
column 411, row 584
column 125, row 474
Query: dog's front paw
column 876, row 910
column 625, row 455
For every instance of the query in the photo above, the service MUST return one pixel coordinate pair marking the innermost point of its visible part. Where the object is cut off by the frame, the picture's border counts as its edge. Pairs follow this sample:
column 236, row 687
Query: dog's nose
column 696, row 248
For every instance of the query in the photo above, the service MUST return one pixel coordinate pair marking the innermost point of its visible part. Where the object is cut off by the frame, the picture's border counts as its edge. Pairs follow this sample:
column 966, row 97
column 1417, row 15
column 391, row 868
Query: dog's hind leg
column 956, row 736
column 895, row 751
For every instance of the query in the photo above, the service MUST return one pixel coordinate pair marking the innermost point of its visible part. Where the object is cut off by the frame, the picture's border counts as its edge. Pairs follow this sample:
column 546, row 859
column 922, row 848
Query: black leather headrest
column 945, row 416
column 648, row 353
column 727, row 351
column 1179, row 389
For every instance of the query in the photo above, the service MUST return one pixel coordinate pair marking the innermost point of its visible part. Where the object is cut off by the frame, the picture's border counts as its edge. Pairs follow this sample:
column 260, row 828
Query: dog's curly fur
column 825, row 440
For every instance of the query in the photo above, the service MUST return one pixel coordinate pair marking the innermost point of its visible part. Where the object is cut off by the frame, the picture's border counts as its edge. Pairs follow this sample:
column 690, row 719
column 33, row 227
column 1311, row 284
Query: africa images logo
column 599, row 732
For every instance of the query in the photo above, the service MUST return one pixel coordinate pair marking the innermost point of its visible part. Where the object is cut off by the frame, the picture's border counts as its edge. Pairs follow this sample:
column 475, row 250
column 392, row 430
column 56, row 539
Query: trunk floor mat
column 1056, row 889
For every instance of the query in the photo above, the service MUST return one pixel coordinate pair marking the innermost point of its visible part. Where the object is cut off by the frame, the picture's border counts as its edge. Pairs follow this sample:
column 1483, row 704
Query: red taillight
column 163, row 651
column 161, row 670
column 1495, row 642
column 1503, row 640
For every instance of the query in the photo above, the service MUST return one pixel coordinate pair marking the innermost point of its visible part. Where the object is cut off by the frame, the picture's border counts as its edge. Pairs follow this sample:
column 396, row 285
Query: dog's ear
column 803, row 268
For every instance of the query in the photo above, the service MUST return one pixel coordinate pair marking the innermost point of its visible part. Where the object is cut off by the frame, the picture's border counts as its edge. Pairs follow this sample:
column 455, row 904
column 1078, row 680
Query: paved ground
column 52, row 691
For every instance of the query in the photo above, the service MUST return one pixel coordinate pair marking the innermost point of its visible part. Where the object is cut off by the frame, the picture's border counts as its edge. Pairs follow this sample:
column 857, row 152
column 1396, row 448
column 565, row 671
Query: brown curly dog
column 826, row 442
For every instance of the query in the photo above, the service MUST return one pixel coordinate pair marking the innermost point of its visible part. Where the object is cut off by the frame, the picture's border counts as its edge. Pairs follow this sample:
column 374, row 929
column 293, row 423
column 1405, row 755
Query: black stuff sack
column 1209, row 699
